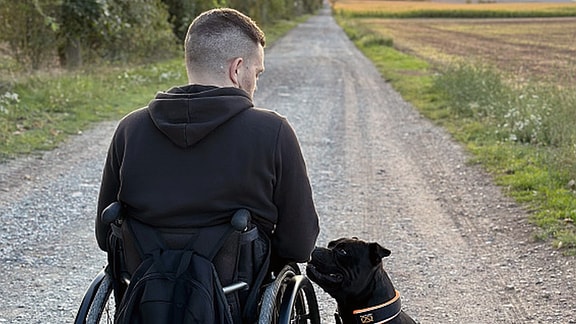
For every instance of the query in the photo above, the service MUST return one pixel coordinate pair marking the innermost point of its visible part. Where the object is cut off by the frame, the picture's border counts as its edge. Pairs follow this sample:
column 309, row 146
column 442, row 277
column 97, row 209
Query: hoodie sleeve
column 297, row 227
column 109, row 188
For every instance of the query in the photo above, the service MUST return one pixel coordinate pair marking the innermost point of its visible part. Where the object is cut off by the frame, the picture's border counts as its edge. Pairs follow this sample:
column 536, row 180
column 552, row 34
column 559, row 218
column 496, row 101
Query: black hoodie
column 198, row 153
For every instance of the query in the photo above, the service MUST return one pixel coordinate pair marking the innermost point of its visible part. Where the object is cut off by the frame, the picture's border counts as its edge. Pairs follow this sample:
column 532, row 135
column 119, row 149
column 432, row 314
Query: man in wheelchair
column 198, row 153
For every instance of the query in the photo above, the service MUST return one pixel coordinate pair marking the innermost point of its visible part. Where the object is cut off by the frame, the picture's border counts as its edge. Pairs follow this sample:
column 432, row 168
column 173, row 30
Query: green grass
column 49, row 109
column 37, row 112
column 523, row 135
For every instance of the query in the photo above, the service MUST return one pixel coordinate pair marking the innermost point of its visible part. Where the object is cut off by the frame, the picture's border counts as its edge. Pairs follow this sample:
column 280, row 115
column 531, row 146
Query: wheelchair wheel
column 289, row 299
column 98, row 304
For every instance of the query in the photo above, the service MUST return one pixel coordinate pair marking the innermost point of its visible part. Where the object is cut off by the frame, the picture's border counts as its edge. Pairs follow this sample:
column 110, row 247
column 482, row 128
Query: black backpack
column 175, row 286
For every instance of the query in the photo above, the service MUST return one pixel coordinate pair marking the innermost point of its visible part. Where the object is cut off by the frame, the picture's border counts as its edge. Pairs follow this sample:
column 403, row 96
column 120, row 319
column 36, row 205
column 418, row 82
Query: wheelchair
column 288, row 297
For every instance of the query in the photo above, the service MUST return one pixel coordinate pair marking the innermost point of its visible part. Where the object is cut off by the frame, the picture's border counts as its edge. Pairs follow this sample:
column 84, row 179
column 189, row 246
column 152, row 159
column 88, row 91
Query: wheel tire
column 289, row 299
column 98, row 304
column 272, row 297
column 299, row 303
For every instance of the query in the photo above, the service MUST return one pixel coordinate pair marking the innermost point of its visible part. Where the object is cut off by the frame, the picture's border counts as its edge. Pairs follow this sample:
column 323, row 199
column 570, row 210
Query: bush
column 44, row 33
column 136, row 29
column 29, row 30
column 181, row 13
column 78, row 29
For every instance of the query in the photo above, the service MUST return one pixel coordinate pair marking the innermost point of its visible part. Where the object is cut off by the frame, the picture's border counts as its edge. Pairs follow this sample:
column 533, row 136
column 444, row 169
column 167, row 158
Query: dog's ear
column 377, row 252
column 332, row 244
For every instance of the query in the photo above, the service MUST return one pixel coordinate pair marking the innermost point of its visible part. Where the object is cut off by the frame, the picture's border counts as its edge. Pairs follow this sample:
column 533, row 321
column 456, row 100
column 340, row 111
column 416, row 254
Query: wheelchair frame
column 290, row 298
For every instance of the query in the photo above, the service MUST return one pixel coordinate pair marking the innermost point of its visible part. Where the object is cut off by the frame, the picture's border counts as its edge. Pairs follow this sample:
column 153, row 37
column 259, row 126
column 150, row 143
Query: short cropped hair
column 219, row 35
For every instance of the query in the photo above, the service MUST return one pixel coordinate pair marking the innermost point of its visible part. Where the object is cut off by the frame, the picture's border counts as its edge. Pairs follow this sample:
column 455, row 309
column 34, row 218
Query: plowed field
column 544, row 47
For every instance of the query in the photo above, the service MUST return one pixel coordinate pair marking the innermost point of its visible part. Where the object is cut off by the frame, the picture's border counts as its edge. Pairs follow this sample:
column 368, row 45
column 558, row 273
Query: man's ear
column 233, row 69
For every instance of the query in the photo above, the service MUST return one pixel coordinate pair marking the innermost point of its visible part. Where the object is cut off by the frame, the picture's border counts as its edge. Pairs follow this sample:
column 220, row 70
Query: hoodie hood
column 187, row 114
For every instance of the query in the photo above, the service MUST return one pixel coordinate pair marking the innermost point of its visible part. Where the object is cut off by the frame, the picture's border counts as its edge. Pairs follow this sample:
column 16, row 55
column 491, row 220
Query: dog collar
column 382, row 313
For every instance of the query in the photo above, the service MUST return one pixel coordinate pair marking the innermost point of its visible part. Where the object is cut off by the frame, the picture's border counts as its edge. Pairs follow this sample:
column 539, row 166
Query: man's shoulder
column 267, row 114
column 135, row 116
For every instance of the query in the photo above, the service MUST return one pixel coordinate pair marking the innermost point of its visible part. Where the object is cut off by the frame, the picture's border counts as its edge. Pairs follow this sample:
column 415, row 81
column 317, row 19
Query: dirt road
column 462, row 253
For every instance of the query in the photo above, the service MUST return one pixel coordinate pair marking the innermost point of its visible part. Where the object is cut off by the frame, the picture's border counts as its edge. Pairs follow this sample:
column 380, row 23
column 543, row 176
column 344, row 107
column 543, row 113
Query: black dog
column 350, row 270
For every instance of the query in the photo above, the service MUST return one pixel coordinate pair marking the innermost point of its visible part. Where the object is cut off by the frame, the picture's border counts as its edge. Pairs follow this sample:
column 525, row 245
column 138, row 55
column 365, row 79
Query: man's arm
column 109, row 189
column 297, row 227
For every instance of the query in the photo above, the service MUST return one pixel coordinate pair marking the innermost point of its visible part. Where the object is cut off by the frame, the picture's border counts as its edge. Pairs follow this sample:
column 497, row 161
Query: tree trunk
column 71, row 54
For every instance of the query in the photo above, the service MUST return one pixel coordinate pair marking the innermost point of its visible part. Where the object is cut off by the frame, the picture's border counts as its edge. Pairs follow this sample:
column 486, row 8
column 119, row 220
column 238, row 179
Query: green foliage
column 267, row 12
column 29, row 30
column 78, row 29
column 364, row 36
column 181, row 13
column 45, row 33
column 264, row 12
column 471, row 90
column 135, row 29
column 39, row 31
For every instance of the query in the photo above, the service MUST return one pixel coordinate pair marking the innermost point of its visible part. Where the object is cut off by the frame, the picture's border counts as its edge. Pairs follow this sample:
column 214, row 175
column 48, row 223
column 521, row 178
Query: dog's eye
column 341, row 251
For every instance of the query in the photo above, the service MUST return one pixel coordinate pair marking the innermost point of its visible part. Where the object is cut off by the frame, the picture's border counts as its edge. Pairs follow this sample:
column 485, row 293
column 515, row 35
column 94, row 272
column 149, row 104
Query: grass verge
column 37, row 112
column 522, row 134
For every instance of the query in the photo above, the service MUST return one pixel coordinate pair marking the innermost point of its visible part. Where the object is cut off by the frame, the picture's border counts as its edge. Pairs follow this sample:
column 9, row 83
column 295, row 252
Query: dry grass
column 410, row 6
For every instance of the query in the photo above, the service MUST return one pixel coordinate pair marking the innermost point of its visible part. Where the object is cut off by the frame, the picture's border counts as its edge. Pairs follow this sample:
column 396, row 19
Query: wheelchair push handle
column 240, row 220
column 111, row 213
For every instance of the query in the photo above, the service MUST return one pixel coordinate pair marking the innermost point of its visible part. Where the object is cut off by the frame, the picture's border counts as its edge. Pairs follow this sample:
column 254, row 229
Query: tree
column 135, row 29
column 182, row 12
column 78, row 27
column 29, row 30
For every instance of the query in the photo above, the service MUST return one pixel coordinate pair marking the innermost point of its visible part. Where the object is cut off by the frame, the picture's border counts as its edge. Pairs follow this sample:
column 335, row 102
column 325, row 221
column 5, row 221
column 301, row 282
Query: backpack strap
column 147, row 239
column 206, row 241
column 250, row 312
column 209, row 240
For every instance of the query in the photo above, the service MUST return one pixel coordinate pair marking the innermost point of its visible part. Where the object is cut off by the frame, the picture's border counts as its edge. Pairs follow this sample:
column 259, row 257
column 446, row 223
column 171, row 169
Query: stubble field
column 527, row 47
column 534, row 47
column 367, row 7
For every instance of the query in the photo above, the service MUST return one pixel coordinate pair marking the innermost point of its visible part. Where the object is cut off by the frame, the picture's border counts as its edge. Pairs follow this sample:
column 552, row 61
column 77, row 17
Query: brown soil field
column 398, row 6
column 529, row 48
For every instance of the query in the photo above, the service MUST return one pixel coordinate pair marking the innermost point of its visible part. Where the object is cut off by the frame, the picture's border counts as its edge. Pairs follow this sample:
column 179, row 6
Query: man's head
column 225, row 48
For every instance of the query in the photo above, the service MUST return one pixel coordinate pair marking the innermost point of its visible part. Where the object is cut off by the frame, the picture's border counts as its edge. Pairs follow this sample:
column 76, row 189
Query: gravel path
column 462, row 252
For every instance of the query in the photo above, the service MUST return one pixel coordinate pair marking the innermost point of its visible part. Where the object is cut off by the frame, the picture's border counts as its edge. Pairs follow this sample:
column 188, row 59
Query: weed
column 7, row 100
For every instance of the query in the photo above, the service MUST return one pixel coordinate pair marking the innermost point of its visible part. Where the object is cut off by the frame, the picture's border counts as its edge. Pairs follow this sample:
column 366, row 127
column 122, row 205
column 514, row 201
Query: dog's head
column 346, row 267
